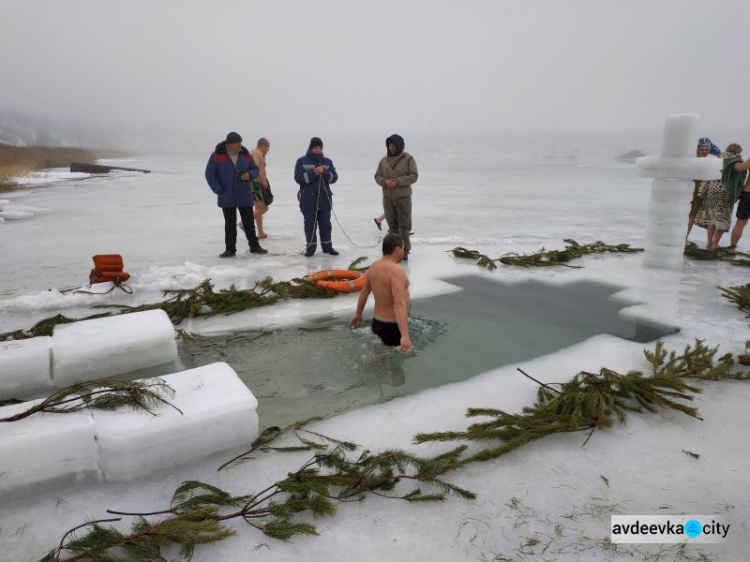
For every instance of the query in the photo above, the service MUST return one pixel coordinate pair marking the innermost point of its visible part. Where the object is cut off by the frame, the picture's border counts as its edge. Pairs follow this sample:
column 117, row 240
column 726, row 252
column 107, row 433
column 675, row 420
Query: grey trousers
column 398, row 216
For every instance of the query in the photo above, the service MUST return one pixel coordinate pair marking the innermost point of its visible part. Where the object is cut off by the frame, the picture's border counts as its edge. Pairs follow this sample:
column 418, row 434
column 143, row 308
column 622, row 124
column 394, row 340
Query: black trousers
column 230, row 227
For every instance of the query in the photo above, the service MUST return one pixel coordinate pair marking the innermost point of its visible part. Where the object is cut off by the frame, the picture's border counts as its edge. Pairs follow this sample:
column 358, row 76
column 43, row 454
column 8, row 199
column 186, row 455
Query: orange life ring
column 338, row 280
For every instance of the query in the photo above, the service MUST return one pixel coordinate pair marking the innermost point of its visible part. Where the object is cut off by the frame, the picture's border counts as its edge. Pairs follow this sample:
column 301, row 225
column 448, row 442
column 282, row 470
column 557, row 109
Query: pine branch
column 573, row 250
column 44, row 327
column 482, row 260
column 720, row 254
column 591, row 401
column 536, row 381
column 198, row 511
column 355, row 263
column 739, row 295
column 545, row 258
column 105, row 395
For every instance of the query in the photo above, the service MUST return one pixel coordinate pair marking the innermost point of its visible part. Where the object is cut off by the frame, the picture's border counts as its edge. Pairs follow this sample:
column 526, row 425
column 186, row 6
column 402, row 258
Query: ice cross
column 673, row 173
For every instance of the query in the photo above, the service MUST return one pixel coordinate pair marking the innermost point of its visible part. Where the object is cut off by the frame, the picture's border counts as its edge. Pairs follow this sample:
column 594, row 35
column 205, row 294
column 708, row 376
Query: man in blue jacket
column 229, row 171
column 314, row 173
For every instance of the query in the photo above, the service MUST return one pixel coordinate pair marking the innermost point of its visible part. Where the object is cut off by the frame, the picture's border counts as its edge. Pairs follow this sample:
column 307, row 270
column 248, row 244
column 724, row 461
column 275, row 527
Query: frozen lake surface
column 480, row 194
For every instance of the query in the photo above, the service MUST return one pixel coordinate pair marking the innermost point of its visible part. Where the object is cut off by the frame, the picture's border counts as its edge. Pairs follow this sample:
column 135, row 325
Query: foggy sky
column 322, row 66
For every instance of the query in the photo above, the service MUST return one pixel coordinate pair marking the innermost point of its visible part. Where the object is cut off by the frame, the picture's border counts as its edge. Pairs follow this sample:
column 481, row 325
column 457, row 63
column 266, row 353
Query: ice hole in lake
column 299, row 373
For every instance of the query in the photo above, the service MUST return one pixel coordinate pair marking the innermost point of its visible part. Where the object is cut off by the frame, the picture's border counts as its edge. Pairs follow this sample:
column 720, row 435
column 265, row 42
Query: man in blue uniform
column 314, row 173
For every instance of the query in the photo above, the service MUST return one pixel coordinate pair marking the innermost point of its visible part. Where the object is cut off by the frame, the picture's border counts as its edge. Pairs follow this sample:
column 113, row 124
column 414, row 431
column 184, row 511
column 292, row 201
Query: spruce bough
column 545, row 258
column 105, row 395
column 198, row 511
column 591, row 401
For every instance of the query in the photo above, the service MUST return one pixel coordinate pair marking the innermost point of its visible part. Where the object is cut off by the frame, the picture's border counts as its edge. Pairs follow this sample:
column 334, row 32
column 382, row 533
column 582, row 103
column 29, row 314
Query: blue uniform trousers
column 323, row 224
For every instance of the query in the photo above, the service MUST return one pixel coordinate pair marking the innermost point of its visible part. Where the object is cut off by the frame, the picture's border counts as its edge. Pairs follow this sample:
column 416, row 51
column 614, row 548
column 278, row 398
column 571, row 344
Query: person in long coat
column 315, row 173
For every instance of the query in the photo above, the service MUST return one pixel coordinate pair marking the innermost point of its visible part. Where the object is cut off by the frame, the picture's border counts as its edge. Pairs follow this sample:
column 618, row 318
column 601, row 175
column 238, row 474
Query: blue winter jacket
column 312, row 197
column 223, row 177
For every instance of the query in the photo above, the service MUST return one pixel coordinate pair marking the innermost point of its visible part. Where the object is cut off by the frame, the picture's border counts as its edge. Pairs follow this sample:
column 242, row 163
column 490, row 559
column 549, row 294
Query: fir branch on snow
column 297, row 288
column 573, row 250
column 739, row 295
column 202, row 300
column 591, row 401
column 44, row 327
column 545, row 258
column 198, row 510
column 695, row 362
column 744, row 359
column 273, row 433
column 103, row 394
column 482, row 260
column 720, row 254
column 355, row 263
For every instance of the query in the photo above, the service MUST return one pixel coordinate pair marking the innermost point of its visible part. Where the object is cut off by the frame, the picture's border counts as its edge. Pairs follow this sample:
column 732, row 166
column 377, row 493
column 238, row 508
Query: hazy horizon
column 199, row 69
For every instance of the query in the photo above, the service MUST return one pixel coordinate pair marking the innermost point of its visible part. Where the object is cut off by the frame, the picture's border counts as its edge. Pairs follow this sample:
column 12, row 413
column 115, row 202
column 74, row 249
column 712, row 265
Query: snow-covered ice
column 490, row 195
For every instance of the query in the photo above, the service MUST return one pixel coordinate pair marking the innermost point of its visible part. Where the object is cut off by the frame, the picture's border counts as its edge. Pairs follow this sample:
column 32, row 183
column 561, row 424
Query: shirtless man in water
column 388, row 282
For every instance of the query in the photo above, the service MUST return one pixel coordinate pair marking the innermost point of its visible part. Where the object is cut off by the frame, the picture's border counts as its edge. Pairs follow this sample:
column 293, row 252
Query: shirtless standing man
column 261, row 205
column 388, row 282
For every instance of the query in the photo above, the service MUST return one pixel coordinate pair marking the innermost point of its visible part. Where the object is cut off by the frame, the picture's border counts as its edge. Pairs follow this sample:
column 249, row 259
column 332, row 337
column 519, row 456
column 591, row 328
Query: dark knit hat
column 315, row 141
column 233, row 137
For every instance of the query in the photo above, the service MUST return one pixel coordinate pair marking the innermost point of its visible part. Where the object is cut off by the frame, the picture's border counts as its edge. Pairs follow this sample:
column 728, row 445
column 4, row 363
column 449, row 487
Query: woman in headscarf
column 705, row 147
column 721, row 195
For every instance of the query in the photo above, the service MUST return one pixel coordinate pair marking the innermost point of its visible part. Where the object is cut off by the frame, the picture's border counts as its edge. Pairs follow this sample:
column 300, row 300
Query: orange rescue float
column 108, row 267
column 338, row 280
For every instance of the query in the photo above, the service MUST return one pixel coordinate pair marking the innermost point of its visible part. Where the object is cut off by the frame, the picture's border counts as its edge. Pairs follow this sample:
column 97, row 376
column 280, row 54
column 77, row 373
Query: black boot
column 310, row 252
column 258, row 250
column 228, row 254
column 331, row 251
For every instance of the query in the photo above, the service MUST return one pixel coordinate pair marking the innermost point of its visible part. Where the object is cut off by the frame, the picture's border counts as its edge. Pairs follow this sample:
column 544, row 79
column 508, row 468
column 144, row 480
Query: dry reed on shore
column 18, row 161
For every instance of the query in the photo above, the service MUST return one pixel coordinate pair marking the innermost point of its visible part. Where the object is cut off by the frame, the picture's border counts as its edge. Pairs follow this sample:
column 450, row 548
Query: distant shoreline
column 18, row 161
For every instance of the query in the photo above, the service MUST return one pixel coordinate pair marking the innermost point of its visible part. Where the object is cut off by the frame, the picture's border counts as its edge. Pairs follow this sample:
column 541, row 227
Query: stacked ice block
column 214, row 411
column 86, row 350
column 47, row 451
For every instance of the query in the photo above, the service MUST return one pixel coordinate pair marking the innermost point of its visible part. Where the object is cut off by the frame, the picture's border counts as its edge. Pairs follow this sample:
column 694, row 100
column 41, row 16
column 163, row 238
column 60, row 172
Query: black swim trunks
column 743, row 208
column 267, row 195
column 387, row 330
